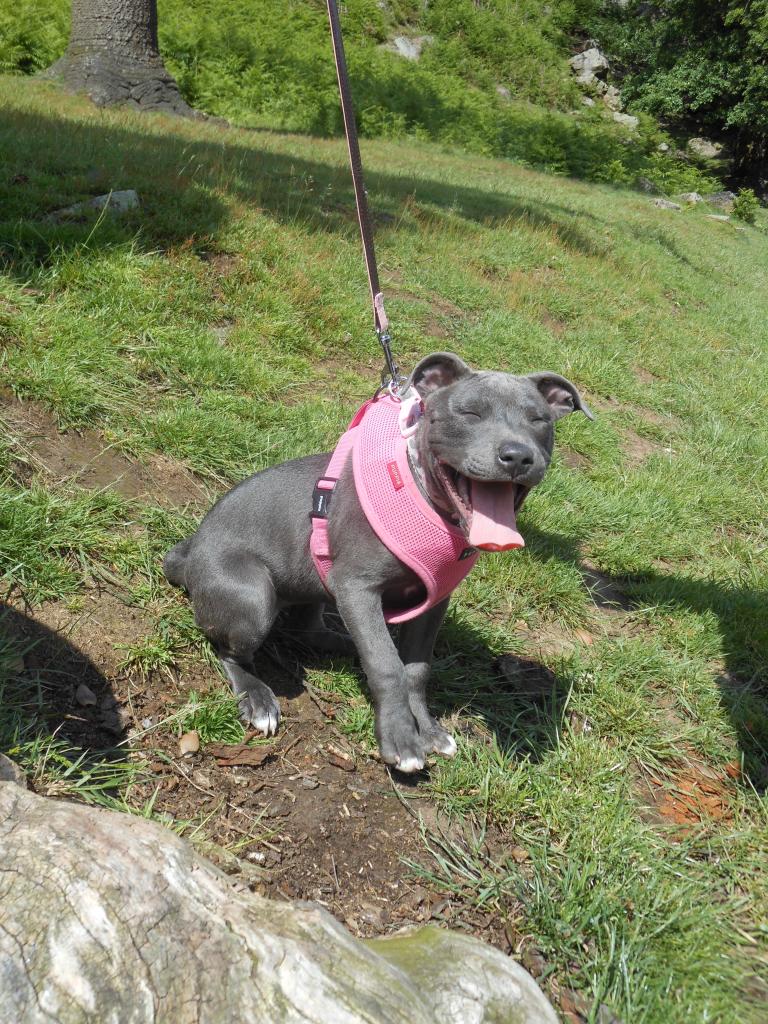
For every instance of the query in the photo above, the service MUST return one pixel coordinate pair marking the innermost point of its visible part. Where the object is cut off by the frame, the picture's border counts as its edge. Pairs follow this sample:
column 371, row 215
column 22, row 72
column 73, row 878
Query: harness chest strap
column 406, row 524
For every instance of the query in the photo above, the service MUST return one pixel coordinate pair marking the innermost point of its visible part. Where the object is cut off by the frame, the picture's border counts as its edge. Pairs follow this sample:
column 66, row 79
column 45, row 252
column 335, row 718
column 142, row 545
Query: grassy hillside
column 268, row 63
column 606, row 807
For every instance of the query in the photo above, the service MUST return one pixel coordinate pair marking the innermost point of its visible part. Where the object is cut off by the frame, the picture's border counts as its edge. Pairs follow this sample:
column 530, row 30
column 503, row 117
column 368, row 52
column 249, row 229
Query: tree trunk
column 113, row 56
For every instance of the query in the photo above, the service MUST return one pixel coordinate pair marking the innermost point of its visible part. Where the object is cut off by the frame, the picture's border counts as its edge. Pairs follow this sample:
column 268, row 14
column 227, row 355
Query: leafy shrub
column 745, row 206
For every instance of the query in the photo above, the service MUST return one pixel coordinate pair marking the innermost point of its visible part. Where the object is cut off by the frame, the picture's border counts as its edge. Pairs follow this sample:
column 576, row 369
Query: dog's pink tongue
column 494, row 527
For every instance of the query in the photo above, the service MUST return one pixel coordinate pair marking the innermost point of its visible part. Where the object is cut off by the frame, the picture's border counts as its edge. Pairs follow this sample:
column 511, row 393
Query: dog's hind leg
column 417, row 638
column 236, row 615
column 173, row 563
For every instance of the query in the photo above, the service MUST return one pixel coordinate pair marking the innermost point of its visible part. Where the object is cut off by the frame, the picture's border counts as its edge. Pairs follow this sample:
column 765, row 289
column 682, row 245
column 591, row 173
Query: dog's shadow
column 522, row 703
column 56, row 706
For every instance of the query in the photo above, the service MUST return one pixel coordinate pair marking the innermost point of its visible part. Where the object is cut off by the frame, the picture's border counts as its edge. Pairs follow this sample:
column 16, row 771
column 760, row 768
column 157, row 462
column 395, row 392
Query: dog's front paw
column 400, row 743
column 439, row 741
column 259, row 708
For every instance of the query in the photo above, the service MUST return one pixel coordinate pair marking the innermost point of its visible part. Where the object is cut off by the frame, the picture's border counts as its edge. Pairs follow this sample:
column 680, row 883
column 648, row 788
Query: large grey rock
column 692, row 198
column 705, row 148
column 116, row 203
column 109, row 918
column 626, row 119
column 587, row 64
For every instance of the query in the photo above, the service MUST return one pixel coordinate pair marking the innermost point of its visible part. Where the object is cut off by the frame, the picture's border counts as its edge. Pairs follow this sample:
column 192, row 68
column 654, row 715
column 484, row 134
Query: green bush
column 745, row 206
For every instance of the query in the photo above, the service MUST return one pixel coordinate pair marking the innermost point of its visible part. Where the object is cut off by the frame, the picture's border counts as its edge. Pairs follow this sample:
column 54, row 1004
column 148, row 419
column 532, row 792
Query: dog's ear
column 561, row 394
column 437, row 371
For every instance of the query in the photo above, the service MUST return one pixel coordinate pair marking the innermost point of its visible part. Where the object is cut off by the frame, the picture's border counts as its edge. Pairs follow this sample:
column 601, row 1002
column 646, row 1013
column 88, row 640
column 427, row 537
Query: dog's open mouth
column 487, row 509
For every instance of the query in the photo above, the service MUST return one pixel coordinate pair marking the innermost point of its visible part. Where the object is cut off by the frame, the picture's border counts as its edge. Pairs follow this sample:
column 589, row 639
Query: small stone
column 666, row 204
column 587, row 101
column 718, row 216
column 116, row 203
column 189, row 743
column 85, row 696
column 691, row 197
column 663, row 147
column 308, row 783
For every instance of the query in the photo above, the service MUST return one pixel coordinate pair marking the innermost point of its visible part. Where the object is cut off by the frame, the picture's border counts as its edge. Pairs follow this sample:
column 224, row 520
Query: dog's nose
column 517, row 458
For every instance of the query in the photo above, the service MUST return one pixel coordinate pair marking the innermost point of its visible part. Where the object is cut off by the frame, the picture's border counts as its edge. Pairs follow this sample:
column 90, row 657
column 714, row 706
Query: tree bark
column 108, row 917
column 113, row 56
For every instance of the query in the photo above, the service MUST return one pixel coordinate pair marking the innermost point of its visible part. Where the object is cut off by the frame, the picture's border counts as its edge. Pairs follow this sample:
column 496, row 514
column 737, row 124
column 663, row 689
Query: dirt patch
column 645, row 376
column 317, row 819
column 691, row 795
column 572, row 459
column 637, row 449
column 83, row 458
column 557, row 327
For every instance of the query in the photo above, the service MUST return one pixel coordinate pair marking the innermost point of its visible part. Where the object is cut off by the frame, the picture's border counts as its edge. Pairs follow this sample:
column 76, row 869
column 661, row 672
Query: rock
column 112, row 917
column 612, row 98
column 704, row 148
column 587, row 101
column 586, row 65
column 646, row 185
column 666, row 204
column 663, row 147
column 626, row 119
column 691, row 197
column 718, row 216
column 189, row 743
column 723, row 200
column 10, row 772
column 85, row 696
column 409, row 47
column 116, row 203
column 504, row 92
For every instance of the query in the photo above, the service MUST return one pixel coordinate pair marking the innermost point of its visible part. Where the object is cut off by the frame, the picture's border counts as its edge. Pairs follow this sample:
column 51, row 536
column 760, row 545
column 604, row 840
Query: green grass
column 659, row 317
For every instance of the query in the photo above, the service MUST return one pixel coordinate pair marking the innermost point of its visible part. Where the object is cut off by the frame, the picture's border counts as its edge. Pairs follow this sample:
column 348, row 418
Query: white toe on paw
column 408, row 765
column 446, row 745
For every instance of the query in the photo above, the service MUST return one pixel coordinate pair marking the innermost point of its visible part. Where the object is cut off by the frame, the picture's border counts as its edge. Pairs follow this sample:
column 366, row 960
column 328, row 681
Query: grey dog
column 250, row 556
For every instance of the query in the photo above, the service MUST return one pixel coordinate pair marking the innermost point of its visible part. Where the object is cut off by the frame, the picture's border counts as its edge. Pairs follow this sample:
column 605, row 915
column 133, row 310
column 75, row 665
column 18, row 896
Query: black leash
column 380, row 321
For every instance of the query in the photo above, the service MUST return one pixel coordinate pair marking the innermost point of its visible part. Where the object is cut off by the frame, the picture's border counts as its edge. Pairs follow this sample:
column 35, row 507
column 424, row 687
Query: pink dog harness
column 377, row 439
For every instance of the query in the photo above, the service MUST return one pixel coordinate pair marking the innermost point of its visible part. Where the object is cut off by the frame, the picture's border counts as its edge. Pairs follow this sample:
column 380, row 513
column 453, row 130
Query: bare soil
column 82, row 457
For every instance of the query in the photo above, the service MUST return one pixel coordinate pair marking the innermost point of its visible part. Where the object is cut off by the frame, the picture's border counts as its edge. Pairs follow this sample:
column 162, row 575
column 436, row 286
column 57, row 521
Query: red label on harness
column 394, row 475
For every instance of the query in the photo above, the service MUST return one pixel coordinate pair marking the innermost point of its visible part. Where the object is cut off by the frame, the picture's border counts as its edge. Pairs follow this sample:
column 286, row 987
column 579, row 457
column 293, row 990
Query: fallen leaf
column 189, row 743
column 230, row 755
column 582, row 635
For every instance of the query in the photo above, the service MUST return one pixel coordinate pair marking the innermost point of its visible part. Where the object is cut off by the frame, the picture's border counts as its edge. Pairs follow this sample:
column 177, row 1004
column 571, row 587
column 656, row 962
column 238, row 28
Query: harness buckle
column 321, row 497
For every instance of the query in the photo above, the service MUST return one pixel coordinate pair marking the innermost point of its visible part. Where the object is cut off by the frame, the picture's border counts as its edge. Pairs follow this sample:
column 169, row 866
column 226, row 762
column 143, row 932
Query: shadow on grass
column 742, row 614
column 190, row 189
column 40, row 672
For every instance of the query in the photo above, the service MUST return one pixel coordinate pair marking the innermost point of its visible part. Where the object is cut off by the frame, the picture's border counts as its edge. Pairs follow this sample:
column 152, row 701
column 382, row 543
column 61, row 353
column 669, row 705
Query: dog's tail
column 174, row 563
